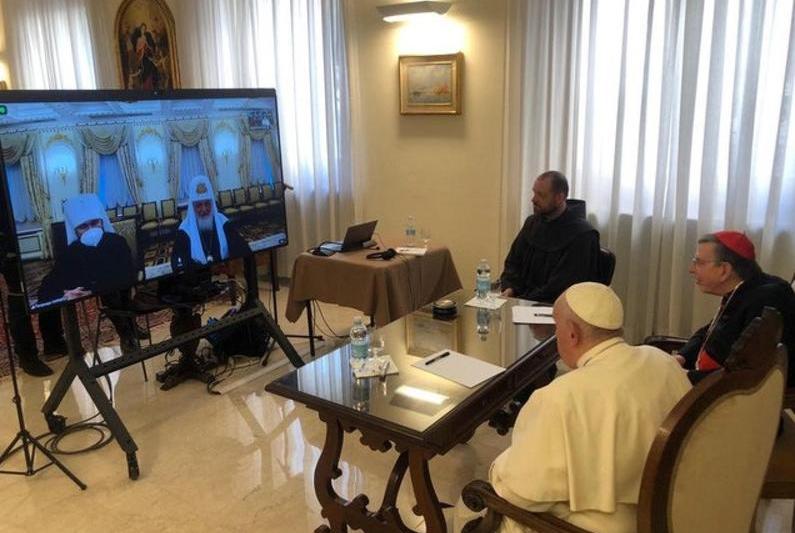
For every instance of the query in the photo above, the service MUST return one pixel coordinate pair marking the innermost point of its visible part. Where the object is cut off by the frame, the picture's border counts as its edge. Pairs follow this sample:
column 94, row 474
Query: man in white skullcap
column 205, row 235
column 96, row 261
column 579, row 444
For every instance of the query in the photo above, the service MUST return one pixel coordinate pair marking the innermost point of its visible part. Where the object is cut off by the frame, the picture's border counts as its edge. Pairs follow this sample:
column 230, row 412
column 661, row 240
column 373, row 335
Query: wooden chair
column 270, row 196
column 111, row 212
column 226, row 204
column 168, row 212
column 706, row 467
column 255, row 196
column 241, row 202
column 606, row 266
column 149, row 216
column 129, row 210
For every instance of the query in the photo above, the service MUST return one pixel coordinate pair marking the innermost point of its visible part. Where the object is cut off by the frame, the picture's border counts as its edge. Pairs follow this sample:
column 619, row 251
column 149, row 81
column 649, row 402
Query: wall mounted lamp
column 412, row 10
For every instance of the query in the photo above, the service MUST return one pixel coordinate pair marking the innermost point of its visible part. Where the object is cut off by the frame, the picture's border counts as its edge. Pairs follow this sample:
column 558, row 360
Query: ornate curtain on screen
column 265, row 136
column 20, row 149
column 190, row 133
column 108, row 140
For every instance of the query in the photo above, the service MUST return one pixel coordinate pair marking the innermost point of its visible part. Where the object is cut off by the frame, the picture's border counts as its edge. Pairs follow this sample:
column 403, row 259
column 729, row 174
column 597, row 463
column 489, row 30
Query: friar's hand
column 507, row 292
column 77, row 292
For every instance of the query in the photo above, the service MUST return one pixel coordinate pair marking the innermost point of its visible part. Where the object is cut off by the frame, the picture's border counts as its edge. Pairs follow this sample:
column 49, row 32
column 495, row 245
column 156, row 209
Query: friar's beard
column 205, row 223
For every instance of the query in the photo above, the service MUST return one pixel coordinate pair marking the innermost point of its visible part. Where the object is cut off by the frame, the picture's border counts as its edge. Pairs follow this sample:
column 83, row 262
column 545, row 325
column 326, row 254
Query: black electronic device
column 386, row 255
column 355, row 237
column 322, row 252
column 137, row 154
column 445, row 308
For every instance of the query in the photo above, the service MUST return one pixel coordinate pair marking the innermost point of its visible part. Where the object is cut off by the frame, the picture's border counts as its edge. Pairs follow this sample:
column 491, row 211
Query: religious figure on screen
column 96, row 260
column 205, row 235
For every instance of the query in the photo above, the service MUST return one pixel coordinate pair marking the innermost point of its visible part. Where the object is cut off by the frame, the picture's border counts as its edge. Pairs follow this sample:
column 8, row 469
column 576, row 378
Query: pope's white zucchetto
column 595, row 304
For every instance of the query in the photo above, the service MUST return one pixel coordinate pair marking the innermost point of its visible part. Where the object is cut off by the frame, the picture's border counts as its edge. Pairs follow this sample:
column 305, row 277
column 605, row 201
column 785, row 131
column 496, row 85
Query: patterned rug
column 87, row 316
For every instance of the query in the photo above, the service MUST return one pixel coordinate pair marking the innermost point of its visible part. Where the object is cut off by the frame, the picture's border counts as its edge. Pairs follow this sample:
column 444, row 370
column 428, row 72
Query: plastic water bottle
column 483, row 280
column 360, row 342
column 411, row 232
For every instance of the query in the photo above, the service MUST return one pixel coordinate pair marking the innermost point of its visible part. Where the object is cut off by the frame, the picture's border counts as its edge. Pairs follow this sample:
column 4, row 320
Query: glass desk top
column 414, row 399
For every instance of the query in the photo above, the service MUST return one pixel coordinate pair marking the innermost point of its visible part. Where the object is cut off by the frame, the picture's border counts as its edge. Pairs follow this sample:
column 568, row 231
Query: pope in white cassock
column 580, row 444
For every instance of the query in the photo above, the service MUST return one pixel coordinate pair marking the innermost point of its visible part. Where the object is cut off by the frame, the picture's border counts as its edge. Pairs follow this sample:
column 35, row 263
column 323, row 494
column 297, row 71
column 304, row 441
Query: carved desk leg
column 428, row 503
column 326, row 471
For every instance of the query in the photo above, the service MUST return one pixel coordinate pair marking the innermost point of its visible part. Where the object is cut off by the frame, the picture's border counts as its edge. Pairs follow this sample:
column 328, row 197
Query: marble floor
column 239, row 461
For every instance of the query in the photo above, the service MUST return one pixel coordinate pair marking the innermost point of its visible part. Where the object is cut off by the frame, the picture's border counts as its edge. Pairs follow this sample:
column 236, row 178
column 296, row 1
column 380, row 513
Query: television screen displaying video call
column 106, row 189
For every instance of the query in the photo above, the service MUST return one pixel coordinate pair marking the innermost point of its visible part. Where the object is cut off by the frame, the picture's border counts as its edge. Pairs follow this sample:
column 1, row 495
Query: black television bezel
column 18, row 96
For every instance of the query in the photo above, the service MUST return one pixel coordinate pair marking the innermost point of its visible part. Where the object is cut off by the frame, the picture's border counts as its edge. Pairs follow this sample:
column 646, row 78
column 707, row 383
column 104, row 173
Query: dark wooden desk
column 392, row 414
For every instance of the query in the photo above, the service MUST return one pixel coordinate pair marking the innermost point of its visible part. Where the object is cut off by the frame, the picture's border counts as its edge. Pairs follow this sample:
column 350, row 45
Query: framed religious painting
column 431, row 85
column 146, row 45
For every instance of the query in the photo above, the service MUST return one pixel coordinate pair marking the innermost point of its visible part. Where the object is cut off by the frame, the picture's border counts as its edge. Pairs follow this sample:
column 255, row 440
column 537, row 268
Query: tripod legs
column 26, row 442
column 23, row 439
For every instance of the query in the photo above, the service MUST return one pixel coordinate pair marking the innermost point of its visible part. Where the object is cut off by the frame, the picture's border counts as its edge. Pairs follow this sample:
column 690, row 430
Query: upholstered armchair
column 706, row 466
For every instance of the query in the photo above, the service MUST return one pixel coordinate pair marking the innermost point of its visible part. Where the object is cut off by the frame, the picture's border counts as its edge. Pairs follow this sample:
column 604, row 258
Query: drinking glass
column 425, row 235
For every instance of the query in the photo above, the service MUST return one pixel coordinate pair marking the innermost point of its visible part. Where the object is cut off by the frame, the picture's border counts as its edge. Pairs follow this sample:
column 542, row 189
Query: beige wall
column 444, row 170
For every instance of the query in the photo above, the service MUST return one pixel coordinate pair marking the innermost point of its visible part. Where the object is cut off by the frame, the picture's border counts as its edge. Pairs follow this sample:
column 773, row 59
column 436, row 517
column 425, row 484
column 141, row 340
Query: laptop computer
column 355, row 237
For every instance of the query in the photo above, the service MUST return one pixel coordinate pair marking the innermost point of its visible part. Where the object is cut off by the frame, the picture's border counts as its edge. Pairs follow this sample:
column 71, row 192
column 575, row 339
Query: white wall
column 444, row 170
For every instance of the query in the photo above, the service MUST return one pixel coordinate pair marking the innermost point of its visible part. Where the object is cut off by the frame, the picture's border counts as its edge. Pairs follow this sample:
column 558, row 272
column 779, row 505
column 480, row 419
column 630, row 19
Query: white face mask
column 91, row 237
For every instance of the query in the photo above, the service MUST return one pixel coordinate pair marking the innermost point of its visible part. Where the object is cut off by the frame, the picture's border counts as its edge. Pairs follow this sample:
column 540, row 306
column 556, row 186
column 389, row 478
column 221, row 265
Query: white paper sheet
column 410, row 250
column 377, row 367
column 486, row 303
column 463, row 369
column 523, row 314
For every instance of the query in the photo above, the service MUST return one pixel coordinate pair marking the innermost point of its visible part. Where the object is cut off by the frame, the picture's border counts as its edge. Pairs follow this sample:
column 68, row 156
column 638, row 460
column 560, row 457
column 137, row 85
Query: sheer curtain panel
column 672, row 118
column 298, row 47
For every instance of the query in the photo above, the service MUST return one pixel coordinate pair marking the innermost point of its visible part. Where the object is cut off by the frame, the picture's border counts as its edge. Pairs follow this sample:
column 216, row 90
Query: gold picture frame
column 146, row 45
column 431, row 85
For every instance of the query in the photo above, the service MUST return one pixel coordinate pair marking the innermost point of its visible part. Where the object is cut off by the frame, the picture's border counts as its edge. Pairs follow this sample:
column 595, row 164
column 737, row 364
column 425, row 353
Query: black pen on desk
column 440, row 356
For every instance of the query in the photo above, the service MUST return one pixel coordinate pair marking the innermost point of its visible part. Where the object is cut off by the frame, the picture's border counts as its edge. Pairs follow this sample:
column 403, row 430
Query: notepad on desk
column 523, row 314
column 410, row 250
column 463, row 369
column 486, row 303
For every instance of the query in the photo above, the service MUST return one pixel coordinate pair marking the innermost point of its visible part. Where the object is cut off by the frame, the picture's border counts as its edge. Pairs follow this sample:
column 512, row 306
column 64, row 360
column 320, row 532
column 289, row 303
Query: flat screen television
column 106, row 189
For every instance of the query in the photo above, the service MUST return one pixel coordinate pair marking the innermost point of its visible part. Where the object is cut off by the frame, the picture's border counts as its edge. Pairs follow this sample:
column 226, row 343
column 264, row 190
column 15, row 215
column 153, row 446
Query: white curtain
column 672, row 118
column 51, row 44
column 298, row 47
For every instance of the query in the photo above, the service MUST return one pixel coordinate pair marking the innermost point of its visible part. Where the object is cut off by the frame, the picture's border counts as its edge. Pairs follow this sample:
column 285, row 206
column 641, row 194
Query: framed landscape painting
column 431, row 85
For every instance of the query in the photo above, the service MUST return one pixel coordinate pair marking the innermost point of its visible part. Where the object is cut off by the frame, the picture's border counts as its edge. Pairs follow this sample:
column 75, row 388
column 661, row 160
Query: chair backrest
column 225, row 198
column 240, row 196
column 267, row 192
column 111, row 212
column 254, row 193
column 149, row 211
column 706, row 467
column 129, row 210
column 606, row 266
column 278, row 190
column 168, row 208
